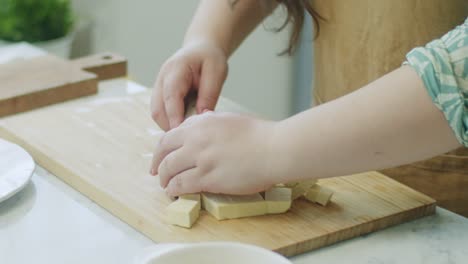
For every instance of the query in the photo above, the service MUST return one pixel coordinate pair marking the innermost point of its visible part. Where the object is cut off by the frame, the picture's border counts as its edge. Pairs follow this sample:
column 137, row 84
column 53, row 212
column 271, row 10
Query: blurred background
column 147, row 32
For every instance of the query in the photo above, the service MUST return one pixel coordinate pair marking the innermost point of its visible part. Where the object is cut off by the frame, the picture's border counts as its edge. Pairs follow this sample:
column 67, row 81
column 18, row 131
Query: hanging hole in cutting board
column 107, row 57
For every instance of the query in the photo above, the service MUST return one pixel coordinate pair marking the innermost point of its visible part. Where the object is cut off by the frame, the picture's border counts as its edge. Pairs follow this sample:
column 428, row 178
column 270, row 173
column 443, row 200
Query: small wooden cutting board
column 37, row 82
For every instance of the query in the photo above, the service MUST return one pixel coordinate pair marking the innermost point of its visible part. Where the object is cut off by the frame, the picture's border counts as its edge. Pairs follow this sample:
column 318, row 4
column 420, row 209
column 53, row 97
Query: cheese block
column 288, row 184
column 319, row 194
column 278, row 200
column 223, row 206
column 302, row 187
column 308, row 183
column 194, row 197
column 183, row 212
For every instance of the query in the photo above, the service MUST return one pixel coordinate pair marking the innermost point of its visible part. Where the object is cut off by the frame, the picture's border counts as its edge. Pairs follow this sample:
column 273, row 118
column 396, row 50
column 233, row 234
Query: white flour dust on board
column 133, row 88
column 154, row 132
column 90, row 124
column 113, row 100
column 147, row 155
column 146, row 100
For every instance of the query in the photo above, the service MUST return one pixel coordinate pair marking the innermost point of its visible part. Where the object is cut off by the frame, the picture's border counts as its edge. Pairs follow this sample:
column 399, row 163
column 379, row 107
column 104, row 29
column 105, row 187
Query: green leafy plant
column 34, row 20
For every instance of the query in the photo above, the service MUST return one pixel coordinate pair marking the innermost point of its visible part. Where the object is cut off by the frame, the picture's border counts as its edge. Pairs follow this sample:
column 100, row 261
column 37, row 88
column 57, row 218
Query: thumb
column 212, row 79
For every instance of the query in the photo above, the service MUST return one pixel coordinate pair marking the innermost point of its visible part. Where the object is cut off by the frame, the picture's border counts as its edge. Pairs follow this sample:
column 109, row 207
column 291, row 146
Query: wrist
column 289, row 160
column 278, row 156
column 206, row 39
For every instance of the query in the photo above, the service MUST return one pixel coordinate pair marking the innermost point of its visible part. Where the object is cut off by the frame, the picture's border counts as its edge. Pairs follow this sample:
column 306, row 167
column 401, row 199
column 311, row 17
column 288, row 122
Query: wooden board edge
column 106, row 65
column 425, row 196
column 48, row 97
column 357, row 230
column 111, row 71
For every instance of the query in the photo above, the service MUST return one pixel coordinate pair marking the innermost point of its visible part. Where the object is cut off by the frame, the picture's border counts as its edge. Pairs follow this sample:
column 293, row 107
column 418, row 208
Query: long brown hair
column 295, row 15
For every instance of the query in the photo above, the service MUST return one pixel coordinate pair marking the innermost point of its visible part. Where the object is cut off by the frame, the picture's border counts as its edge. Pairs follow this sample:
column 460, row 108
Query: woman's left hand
column 217, row 153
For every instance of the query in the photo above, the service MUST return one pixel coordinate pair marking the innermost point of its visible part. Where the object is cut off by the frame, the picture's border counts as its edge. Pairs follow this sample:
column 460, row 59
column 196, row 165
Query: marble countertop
column 49, row 222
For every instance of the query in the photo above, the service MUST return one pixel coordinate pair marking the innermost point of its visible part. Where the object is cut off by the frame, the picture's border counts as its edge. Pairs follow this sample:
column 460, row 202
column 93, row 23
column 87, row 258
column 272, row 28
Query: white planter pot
column 60, row 46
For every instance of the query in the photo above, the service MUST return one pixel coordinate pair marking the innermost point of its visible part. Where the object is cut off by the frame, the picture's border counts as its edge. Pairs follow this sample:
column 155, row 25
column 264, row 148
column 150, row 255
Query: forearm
column 390, row 122
column 225, row 23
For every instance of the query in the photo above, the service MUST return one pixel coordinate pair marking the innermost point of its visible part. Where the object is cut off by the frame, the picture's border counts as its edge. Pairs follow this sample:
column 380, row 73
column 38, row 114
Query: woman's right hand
column 199, row 66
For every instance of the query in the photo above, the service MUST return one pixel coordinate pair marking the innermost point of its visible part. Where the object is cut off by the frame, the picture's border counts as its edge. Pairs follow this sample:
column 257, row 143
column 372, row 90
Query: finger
column 185, row 182
column 195, row 118
column 190, row 120
column 174, row 163
column 176, row 87
column 169, row 142
column 211, row 82
column 158, row 112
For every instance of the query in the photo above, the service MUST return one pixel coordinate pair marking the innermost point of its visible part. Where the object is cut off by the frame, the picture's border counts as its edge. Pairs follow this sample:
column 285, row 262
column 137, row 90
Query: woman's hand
column 217, row 153
column 200, row 66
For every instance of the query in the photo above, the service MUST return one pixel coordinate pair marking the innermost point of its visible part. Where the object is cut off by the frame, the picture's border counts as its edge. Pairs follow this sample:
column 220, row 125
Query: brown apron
column 362, row 40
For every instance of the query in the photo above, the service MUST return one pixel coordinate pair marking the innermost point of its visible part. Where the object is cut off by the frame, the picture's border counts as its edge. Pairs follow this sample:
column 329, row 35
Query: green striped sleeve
column 443, row 66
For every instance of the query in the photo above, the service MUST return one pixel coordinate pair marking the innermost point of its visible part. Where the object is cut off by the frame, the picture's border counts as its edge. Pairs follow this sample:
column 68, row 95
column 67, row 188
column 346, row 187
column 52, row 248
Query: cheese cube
column 183, row 213
column 319, row 194
column 300, row 188
column 193, row 197
column 278, row 200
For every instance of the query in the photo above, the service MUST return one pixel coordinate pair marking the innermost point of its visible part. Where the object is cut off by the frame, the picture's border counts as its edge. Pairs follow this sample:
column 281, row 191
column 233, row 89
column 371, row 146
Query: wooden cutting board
column 103, row 148
column 37, row 82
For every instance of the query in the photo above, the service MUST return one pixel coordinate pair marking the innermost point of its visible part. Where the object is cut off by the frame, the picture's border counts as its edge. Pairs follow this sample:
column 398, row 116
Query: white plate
column 16, row 169
column 209, row 253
